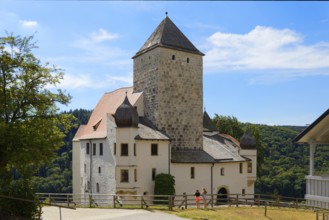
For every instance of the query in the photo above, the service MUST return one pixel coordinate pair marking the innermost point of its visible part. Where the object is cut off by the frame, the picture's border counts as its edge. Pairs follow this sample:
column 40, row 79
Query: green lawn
column 246, row 213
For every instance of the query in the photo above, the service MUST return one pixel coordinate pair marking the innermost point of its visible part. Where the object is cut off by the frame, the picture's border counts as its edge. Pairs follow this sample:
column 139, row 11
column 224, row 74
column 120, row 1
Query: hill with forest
column 283, row 164
column 287, row 163
column 56, row 177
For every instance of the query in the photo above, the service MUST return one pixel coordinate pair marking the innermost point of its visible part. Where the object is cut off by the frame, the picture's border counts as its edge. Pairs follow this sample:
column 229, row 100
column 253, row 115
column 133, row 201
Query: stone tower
column 168, row 70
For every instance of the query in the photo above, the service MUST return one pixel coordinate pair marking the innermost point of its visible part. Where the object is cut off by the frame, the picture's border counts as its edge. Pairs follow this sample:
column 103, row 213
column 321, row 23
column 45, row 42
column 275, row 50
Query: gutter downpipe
column 91, row 171
column 169, row 156
column 211, row 184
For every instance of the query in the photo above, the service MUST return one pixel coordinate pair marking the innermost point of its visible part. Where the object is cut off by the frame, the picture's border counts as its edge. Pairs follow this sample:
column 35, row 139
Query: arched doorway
column 221, row 196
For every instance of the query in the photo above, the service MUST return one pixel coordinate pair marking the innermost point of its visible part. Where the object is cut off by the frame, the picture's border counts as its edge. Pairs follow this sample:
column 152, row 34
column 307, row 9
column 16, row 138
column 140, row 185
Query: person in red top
column 197, row 198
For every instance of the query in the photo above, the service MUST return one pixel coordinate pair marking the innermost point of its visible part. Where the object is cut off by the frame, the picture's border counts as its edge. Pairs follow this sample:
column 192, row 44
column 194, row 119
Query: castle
column 158, row 126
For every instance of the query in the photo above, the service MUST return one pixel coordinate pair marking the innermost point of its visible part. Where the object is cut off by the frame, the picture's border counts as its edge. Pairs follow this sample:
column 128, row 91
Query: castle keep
column 168, row 70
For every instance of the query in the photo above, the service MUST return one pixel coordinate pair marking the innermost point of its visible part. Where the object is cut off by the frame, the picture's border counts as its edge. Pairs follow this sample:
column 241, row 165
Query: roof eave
column 310, row 127
column 169, row 47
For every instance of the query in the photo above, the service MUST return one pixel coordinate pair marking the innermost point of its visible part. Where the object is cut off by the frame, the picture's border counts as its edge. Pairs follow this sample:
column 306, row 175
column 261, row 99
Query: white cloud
column 264, row 48
column 128, row 79
column 103, row 35
column 29, row 24
column 95, row 49
column 87, row 81
column 83, row 81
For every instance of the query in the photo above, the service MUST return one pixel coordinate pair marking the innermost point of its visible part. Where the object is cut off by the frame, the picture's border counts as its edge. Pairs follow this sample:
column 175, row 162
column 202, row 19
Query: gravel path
column 53, row 213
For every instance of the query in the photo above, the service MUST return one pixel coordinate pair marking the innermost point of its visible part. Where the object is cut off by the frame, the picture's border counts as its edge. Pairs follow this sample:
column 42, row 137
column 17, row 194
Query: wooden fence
column 169, row 201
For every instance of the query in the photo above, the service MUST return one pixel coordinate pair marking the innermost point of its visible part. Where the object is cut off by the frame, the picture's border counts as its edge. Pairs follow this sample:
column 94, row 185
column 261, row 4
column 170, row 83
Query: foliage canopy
column 230, row 125
column 30, row 127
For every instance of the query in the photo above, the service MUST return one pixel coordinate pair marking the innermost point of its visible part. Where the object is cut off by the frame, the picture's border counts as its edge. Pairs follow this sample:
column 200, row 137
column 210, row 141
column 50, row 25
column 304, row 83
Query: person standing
column 197, row 198
column 204, row 197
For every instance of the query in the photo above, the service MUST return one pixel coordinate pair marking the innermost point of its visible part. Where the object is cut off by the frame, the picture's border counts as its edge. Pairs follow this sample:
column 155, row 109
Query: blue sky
column 265, row 62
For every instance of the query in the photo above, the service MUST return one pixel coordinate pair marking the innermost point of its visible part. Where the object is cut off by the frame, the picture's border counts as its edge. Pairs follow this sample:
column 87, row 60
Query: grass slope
column 245, row 213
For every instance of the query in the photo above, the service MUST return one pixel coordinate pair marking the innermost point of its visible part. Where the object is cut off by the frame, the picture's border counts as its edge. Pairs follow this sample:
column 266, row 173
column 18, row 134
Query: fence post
column 142, row 205
column 60, row 213
column 258, row 200
column 68, row 200
column 212, row 200
column 170, row 202
column 114, row 201
column 237, row 200
column 185, row 198
column 265, row 210
column 90, row 200
column 296, row 203
column 49, row 196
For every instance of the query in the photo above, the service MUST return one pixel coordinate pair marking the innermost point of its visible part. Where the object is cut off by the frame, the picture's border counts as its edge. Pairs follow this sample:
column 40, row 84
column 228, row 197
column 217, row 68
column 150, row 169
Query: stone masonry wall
column 173, row 95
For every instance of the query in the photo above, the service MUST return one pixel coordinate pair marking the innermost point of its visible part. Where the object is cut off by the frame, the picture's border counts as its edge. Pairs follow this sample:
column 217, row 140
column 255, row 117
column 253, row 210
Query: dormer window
column 96, row 125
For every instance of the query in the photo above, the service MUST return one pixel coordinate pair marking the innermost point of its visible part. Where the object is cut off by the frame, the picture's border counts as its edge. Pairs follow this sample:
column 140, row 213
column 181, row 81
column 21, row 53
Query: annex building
column 158, row 126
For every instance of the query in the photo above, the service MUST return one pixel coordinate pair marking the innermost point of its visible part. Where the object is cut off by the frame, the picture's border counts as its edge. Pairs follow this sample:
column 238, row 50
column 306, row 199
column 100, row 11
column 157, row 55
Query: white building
column 317, row 186
column 158, row 126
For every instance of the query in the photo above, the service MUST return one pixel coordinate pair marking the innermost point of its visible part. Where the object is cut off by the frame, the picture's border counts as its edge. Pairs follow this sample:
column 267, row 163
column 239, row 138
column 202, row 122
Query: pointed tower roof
column 168, row 35
column 208, row 125
column 248, row 141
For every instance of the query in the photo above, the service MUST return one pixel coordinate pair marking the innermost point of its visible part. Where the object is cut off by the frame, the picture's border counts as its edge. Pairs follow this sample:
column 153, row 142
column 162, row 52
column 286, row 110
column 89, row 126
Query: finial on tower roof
column 166, row 14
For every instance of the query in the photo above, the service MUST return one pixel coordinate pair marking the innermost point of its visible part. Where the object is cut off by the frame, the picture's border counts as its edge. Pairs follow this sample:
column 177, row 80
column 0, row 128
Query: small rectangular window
column 124, row 176
column 97, row 187
column 250, row 167
column 188, row 60
column 100, row 148
column 153, row 173
column 243, row 192
column 192, row 172
column 222, row 171
column 85, row 168
column 124, row 149
column 87, row 148
column 94, row 149
column 99, row 169
column 241, row 167
column 115, row 148
column 173, row 57
column 135, row 175
column 134, row 149
column 154, row 149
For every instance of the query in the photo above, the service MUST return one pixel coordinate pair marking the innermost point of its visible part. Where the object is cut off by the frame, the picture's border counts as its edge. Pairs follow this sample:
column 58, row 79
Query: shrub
column 164, row 185
column 17, row 209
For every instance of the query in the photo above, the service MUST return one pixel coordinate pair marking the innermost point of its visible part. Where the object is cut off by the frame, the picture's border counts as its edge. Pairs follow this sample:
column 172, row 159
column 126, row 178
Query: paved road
column 53, row 213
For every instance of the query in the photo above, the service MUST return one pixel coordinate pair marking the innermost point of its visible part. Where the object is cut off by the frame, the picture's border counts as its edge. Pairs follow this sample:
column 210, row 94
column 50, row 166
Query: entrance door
column 221, row 196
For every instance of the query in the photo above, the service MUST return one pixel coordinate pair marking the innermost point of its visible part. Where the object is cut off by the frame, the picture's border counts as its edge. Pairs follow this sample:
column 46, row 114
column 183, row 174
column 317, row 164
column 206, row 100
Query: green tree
column 30, row 127
column 164, row 185
column 57, row 176
column 259, row 145
column 231, row 125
